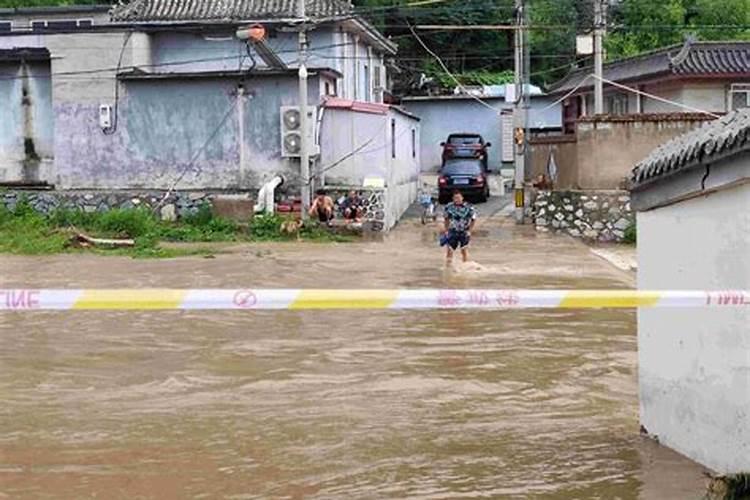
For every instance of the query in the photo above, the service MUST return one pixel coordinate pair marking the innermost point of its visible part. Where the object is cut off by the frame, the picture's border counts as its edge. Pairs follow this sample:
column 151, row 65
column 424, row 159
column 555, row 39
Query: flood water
column 330, row 404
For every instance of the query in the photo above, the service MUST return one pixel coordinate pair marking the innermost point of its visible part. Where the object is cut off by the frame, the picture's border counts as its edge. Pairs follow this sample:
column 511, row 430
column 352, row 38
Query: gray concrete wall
column 162, row 127
column 603, row 152
column 607, row 150
column 26, row 122
column 441, row 117
column 563, row 149
column 693, row 363
column 161, row 123
column 221, row 51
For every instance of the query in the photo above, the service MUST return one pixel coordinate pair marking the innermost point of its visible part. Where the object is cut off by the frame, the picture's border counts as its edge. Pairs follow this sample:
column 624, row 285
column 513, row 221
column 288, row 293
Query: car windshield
column 462, row 167
column 464, row 140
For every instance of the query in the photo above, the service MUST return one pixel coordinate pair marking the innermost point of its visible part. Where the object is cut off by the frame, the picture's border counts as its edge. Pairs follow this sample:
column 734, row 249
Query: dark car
column 466, row 175
column 465, row 146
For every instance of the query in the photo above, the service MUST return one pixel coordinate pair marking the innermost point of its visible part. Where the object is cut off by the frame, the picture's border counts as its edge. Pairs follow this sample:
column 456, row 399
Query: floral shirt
column 459, row 216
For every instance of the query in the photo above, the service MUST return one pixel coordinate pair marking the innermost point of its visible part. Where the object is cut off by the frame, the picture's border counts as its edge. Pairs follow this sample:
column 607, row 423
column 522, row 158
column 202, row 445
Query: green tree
column 641, row 25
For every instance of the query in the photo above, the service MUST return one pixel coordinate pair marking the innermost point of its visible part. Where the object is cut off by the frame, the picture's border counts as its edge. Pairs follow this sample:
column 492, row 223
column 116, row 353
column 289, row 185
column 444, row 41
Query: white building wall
column 369, row 148
column 706, row 96
column 694, row 364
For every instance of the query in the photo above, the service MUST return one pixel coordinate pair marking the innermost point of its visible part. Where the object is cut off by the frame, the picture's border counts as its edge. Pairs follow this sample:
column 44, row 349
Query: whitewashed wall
column 694, row 364
column 385, row 145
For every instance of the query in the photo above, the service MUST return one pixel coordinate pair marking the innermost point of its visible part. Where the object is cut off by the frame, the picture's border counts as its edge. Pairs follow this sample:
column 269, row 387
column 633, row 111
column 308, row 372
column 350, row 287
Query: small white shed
column 692, row 197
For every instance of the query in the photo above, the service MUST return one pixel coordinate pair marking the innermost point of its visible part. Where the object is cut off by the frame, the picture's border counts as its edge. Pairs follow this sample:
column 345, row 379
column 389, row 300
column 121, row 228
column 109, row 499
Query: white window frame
column 738, row 88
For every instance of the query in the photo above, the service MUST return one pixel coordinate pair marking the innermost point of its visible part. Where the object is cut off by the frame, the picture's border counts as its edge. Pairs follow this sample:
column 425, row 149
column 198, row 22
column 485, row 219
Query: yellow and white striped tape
column 25, row 299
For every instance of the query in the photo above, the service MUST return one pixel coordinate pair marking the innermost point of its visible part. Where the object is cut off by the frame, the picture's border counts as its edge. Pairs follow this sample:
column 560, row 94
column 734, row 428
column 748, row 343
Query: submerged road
column 330, row 404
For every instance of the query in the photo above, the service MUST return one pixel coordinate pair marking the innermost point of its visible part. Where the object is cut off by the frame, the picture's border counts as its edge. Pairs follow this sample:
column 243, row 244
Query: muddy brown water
column 330, row 404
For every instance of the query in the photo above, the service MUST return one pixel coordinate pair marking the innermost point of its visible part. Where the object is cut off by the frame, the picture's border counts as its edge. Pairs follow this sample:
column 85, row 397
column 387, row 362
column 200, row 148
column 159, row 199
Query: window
column 377, row 85
column 617, row 104
column 464, row 140
column 393, row 138
column 6, row 26
column 739, row 96
column 462, row 167
column 413, row 143
column 367, row 92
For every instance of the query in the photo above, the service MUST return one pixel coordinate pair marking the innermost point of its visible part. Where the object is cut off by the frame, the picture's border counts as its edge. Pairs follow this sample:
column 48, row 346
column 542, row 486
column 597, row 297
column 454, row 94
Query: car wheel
column 483, row 197
column 443, row 198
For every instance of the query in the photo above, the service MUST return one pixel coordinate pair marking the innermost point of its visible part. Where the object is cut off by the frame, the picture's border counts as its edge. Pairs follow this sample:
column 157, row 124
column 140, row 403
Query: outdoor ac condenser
column 291, row 131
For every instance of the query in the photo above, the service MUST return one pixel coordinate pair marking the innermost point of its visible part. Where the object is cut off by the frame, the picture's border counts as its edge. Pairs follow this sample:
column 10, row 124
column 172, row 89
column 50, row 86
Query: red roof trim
column 362, row 107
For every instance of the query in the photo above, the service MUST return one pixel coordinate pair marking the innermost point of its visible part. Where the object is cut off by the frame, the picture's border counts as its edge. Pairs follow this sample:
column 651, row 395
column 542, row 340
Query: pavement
column 622, row 257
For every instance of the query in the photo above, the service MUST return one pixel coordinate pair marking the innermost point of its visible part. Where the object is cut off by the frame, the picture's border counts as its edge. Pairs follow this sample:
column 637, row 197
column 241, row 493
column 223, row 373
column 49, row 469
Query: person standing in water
column 459, row 219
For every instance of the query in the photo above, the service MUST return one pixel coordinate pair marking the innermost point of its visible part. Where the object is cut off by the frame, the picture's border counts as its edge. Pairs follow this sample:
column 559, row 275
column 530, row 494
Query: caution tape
column 25, row 299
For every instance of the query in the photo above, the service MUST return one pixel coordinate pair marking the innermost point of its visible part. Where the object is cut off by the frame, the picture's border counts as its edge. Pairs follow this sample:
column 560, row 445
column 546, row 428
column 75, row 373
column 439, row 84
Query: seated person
column 541, row 182
column 352, row 207
column 322, row 207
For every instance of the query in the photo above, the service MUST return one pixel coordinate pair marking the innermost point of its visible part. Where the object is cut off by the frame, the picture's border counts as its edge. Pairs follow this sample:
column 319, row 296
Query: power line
column 655, row 97
column 445, row 68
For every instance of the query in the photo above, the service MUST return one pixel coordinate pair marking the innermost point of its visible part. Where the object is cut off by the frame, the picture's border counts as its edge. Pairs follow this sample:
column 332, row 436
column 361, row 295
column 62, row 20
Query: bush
column 266, row 226
column 200, row 226
column 630, row 234
column 132, row 223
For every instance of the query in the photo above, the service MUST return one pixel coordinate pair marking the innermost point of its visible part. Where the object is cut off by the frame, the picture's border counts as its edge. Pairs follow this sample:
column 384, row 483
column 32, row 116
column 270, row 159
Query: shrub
column 630, row 234
column 132, row 223
column 266, row 226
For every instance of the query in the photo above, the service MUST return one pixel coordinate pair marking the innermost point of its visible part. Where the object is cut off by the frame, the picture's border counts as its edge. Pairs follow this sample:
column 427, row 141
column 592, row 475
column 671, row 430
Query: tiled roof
column 691, row 59
column 224, row 10
column 727, row 135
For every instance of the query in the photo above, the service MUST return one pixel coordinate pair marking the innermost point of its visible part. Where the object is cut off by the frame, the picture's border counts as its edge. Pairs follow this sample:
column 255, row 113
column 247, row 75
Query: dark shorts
column 458, row 239
column 324, row 215
column 352, row 211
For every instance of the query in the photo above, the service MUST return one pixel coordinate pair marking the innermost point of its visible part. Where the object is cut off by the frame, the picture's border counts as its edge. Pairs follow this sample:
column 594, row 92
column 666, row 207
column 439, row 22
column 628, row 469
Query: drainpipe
column 265, row 201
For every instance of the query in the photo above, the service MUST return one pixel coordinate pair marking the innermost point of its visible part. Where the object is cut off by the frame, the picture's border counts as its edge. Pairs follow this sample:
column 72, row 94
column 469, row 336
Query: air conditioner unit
column 291, row 131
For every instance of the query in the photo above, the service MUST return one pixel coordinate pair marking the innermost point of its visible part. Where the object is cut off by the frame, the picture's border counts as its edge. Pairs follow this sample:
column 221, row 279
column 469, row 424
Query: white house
column 692, row 197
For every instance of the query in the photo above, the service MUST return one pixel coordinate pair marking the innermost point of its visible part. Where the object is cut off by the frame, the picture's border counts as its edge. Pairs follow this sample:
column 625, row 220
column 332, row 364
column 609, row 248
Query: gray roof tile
column 224, row 10
column 727, row 135
column 695, row 59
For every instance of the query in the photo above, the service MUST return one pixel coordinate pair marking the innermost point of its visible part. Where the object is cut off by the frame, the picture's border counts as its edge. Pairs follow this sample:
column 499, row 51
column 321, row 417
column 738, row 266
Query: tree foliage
column 641, row 25
column 633, row 26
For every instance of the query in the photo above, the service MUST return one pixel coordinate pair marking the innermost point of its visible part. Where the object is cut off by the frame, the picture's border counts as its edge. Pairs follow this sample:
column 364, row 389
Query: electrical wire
column 189, row 166
column 348, row 155
column 568, row 94
column 655, row 97
column 237, row 101
column 448, row 72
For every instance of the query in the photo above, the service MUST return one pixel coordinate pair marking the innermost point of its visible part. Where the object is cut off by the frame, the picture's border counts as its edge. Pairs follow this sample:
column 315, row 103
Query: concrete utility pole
column 304, row 157
column 598, row 56
column 519, row 111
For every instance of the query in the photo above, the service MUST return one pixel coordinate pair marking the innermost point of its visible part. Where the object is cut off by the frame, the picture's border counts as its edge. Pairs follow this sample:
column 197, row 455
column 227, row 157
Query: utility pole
column 519, row 111
column 304, row 157
column 598, row 56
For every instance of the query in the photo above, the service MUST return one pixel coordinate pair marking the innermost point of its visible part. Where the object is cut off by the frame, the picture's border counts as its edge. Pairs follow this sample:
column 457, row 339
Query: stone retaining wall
column 591, row 215
column 181, row 203
column 373, row 201
column 177, row 204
